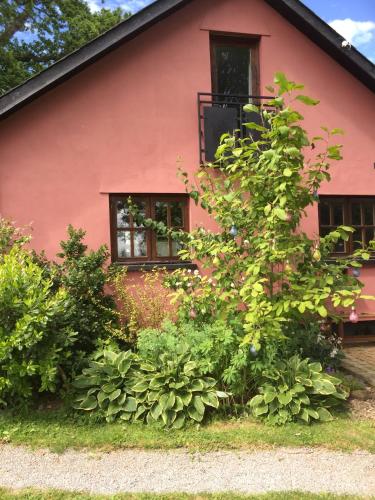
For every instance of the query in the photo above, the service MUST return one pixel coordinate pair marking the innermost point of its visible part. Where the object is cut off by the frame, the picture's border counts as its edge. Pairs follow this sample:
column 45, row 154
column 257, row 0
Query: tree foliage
column 36, row 33
column 264, row 272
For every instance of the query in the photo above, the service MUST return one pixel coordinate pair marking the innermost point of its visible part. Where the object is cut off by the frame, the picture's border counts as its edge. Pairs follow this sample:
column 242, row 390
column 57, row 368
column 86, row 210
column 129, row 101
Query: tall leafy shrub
column 35, row 340
column 265, row 272
column 90, row 309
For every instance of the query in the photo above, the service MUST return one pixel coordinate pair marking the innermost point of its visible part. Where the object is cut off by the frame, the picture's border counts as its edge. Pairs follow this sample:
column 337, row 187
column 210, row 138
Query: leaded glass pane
column 123, row 244
column 140, row 244
column 177, row 214
column 161, row 212
column 162, row 246
column 123, row 216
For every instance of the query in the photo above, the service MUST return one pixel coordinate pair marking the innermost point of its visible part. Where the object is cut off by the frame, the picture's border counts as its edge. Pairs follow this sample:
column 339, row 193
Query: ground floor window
column 132, row 242
column 358, row 212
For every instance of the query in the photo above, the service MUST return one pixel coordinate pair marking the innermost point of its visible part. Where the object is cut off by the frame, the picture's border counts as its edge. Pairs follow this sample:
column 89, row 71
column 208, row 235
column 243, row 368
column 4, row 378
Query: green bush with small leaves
column 105, row 385
column 297, row 390
column 36, row 342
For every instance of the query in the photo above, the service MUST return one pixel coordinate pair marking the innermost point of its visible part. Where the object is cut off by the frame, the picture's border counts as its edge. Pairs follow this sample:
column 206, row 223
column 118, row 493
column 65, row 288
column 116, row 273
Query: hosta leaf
column 269, row 396
column 179, row 405
column 130, row 404
column 194, row 414
column 209, row 381
column 113, row 408
column 126, row 416
column 314, row 414
column 256, row 400
column 304, row 415
column 83, row 382
column 324, row 387
column 102, row 396
column 189, row 367
column 115, row 394
column 260, row 410
column 221, row 394
column 124, row 366
column 108, row 388
column 196, row 385
column 140, row 386
column 285, row 398
column 198, row 404
column 186, row 397
column 324, row 415
column 140, row 411
column 156, row 411
column 179, row 422
column 210, row 399
column 90, row 403
column 171, row 400
column 110, row 356
column 163, row 401
column 315, row 367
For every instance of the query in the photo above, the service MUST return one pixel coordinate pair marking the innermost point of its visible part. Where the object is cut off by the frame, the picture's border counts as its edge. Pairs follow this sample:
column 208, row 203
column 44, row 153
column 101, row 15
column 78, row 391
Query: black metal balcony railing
column 221, row 113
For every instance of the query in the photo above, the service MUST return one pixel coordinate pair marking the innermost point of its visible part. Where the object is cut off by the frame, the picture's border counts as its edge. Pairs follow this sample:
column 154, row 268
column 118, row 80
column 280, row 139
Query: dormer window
column 234, row 63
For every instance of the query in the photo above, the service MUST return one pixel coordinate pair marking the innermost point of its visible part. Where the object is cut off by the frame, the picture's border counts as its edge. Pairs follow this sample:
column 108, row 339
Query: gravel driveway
column 180, row 471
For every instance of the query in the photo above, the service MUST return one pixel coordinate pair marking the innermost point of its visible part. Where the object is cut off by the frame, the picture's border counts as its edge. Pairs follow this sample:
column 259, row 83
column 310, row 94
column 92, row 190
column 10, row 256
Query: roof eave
column 86, row 55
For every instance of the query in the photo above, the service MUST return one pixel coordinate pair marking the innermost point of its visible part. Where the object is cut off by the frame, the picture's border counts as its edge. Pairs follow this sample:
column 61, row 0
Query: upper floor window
column 132, row 242
column 357, row 212
column 234, row 63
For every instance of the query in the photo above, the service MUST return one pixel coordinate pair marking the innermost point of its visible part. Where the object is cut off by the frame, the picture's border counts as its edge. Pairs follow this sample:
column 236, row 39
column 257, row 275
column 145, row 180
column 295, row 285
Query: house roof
column 293, row 10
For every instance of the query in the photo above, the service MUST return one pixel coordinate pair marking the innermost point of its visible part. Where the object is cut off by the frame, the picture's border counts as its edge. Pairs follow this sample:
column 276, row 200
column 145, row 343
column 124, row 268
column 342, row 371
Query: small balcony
column 221, row 113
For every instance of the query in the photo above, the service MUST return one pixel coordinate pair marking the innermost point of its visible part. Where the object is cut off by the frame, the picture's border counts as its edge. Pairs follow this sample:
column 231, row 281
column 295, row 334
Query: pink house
column 119, row 115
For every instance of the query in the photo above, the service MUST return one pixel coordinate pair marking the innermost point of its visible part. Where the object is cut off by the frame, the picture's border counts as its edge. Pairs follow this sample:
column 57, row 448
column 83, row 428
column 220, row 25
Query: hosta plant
column 173, row 390
column 105, row 386
column 297, row 390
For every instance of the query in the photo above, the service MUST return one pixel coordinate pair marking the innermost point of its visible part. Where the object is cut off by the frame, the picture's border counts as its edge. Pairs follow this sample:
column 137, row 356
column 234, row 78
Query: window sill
column 149, row 266
column 363, row 262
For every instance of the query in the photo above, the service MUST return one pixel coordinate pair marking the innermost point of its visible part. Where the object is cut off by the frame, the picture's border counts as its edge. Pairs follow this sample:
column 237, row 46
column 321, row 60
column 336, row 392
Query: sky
column 353, row 19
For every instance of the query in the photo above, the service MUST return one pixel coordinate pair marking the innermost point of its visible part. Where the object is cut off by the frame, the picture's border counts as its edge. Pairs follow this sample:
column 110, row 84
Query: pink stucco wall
column 124, row 123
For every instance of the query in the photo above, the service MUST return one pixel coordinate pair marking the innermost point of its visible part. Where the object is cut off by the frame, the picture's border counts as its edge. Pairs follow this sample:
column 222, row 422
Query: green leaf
column 115, row 394
column 140, row 386
column 285, row 398
column 251, row 108
column 307, row 100
column 324, row 415
column 156, row 411
column 179, row 422
column 260, row 410
column 108, row 388
column 130, row 404
column 287, row 172
column 89, row 403
column 210, row 399
column 280, row 213
column 198, row 404
column 194, row 414
column 322, row 311
column 196, row 385
column 256, row 400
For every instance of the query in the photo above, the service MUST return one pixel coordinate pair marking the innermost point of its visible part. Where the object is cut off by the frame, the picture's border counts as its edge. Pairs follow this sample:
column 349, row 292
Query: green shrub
column 215, row 346
column 105, row 385
column 35, row 340
column 122, row 385
column 315, row 340
column 297, row 390
column 90, row 310
column 173, row 390
column 10, row 236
